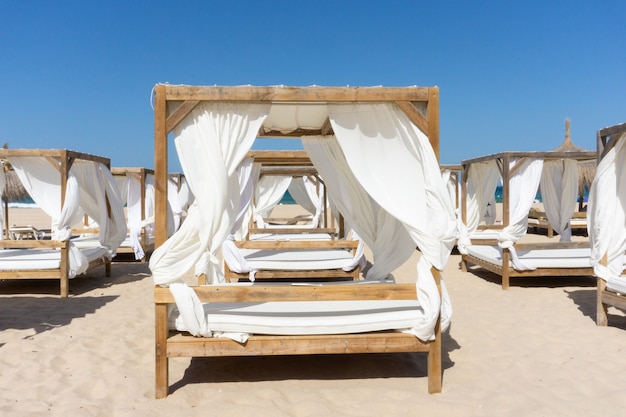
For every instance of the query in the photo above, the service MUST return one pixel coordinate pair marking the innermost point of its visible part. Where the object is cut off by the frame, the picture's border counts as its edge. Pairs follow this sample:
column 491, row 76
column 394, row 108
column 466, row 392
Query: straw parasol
column 586, row 169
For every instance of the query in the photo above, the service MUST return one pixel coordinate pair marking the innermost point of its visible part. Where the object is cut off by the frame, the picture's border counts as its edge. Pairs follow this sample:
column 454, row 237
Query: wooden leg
column 435, row 371
column 160, row 351
column 65, row 291
column 463, row 264
column 506, row 265
column 107, row 269
column 601, row 308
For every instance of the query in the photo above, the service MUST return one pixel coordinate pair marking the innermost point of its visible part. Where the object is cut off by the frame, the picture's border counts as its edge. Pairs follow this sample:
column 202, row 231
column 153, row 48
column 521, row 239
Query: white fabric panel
column 482, row 180
column 366, row 133
column 522, row 192
column 269, row 191
column 606, row 214
column 211, row 143
column 304, row 191
column 559, row 189
column 174, row 203
column 185, row 196
column 387, row 238
column 133, row 208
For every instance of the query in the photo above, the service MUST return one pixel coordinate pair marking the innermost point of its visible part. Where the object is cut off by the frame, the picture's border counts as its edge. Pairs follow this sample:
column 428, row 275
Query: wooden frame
column 171, row 105
column 141, row 175
column 606, row 139
column 503, row 161
column 64, row 160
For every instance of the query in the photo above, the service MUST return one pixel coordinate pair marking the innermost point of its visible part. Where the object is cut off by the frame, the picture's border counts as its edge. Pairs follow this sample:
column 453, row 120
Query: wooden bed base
column 171, row 344
column 62, row 273
column 322, row 274
column 606, row 298
column 509, row 272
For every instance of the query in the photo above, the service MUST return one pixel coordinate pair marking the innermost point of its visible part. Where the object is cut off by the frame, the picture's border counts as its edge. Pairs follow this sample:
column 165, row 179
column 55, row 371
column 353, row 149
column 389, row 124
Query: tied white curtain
column 606, row 211
column 248, row 173
column 305, row 192
column 133, row 208
column 90, row 190
column 482, row 181
column 559, row 189
column 523, row 185
column 269, row 191
column 387, row 238
column 211, row 143
column 409, row 187
column 185, row 196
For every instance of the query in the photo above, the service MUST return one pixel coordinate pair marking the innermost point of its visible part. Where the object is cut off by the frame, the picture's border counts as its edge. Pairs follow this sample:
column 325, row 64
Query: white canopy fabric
column 388, row 239
column 482, row 180
column 269, row 191
column 305, row 192
column 365, row 133
column 523, row 186
column 607, row 215
column 90, row 190
column 211, row 143
column 213, row 140
column 559, row 188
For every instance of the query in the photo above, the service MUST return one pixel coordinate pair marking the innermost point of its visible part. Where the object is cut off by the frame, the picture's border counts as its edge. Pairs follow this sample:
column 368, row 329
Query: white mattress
column 308, row 317
column 537, row 258
column 30, row 259
column 297, row 259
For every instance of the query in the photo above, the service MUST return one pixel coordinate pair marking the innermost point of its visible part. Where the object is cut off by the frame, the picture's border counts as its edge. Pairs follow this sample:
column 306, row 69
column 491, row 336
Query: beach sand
column 533, row 350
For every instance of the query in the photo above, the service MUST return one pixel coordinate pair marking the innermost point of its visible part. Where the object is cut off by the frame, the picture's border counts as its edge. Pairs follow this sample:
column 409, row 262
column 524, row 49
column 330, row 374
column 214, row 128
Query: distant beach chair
column 26, row 232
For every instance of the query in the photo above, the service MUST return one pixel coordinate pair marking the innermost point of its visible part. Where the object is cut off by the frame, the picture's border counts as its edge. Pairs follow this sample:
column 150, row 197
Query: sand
column 533, row 350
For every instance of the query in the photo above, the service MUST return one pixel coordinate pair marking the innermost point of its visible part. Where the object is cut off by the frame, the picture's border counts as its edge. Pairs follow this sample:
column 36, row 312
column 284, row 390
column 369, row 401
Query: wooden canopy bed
column 545, row 258
column 294, row 251
column 171, row 105
column 610, row 289
column 48, row 258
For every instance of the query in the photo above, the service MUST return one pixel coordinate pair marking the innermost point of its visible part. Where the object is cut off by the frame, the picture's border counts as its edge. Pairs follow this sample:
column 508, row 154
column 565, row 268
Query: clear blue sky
column 78, row 74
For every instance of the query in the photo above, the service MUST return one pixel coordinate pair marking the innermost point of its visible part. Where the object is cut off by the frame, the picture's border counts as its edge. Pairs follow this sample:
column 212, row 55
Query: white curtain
column 559, row 189
column 406, row 183
column 270, row 190
column 174, row 203
column 482, row 181
column 133, row 208
column 387, row 238
column 523, row 185
column 606, row 212
column 308, row 193
column 211, row 143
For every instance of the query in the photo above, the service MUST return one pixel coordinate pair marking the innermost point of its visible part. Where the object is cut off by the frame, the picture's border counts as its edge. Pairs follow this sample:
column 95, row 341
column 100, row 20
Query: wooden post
column 506, row 260
column 65, row 257
column 160, row 351
column 160, row 167
column 435, row 371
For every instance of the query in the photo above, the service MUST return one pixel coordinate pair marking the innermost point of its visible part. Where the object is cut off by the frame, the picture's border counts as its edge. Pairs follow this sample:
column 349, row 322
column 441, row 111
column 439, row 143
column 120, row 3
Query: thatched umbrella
column 586, row 169
column 13, row 191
